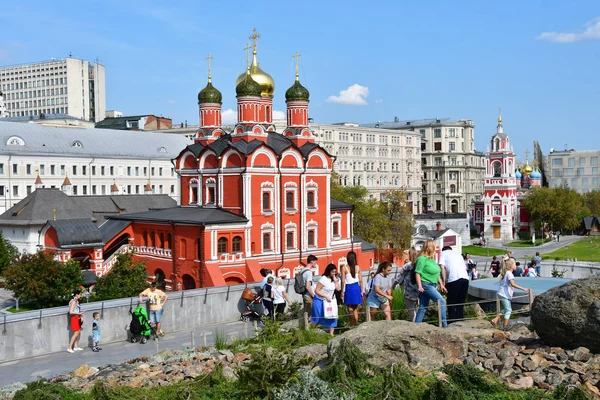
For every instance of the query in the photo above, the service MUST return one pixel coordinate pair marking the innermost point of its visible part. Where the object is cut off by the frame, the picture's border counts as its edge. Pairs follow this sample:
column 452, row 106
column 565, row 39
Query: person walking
column 380, row 293
column 495, row 267
column 268, row 297
column 280, row 298
column 428, row 276
column 96, row 332
column 456, row 280
column 536, row 263
column 506, row 290
column 307, row 278
column 157, row 300
column 352, row 287
column 75, row 322
column 324, row 298
column 411, row 292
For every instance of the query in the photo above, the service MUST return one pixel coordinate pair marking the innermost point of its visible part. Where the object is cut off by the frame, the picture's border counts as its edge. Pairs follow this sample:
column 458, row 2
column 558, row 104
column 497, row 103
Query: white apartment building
column 452, row 169
column 579, row 170
column 71, row 86
column 93, row 160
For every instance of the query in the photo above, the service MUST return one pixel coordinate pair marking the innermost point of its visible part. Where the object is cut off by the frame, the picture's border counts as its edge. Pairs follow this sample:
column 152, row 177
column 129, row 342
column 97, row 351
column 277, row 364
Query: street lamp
column 567, row 248
column 590, row 249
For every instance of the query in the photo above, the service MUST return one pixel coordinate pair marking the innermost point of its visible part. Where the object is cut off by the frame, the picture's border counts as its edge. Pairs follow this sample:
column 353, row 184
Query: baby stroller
column 140, row 328
column 252, row 301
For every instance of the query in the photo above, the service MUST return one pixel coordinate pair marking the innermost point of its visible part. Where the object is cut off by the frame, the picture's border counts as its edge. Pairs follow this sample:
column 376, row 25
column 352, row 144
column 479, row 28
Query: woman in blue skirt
column 352, row 287
column 324, row 296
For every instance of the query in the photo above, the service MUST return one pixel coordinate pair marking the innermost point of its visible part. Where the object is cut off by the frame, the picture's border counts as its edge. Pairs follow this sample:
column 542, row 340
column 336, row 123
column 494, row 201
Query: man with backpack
column 303, row 283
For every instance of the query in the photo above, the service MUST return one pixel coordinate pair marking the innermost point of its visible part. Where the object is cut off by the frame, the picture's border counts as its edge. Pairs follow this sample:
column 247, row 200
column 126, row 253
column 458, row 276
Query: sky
column 537, row 60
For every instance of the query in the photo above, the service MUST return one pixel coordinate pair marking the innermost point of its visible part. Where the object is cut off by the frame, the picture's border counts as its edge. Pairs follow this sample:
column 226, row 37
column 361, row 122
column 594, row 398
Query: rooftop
column 407, row 124
column 39, row 140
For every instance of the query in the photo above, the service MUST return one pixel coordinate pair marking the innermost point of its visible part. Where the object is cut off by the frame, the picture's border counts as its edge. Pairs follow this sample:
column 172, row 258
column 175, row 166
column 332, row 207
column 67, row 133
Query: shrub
column 296, row 309
column 125, row 279
column 308, row 387
column 220, row 340
column 346, row 363
column 43, row 390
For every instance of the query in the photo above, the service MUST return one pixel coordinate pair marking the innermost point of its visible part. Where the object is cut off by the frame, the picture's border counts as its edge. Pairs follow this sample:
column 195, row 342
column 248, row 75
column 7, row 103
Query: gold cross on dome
column 247, row 50
column 526, row 154
column 254, row 38
column 297, row 57
column 208, row 62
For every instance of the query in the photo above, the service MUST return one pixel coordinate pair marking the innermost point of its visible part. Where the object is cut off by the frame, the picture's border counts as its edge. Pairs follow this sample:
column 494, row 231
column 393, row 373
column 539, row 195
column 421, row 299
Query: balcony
column 153, row 251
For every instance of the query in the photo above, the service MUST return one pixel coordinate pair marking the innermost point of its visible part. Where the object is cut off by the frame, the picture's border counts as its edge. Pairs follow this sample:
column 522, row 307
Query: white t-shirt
column 328, row 288
column 506, row 290
column 278, row 292
column 454, row 264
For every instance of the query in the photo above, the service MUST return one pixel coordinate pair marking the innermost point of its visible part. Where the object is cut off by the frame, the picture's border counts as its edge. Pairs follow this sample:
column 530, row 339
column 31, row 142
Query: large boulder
column 421, row 346
column 568, row 316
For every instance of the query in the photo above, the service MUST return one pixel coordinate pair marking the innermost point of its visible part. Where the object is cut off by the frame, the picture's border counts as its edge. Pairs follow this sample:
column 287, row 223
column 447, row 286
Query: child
column 506, row 290
column 268, row 296
column 96, row 332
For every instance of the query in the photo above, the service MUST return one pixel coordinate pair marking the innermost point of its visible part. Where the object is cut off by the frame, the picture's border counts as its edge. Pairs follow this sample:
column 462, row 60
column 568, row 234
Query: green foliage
column 40, row 279
column 268, row 371
column 398, row 306
column 400, row 221
column 8, row 253
column 563, row 392
column 400, row 383
column 296, row 308
column 42, row 390
column 561, row 208
column 270, row 336
column 558, row 273
column 308, row 387
column 525, row 235
column 587, row 249
column 125, row 279
column 482, row 251
column 592, row 202
column 220, row 340
column 347, row 363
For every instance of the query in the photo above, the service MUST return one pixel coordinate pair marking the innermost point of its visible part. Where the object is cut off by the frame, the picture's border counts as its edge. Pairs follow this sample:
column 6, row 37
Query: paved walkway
column 51, row 365
column 520, row 252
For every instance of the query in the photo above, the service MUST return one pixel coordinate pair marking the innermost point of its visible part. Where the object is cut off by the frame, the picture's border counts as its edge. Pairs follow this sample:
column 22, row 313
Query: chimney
column 114, row 189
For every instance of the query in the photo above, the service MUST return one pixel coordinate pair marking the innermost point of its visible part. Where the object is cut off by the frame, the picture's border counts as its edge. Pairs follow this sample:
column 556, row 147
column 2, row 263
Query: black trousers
column 457, row 293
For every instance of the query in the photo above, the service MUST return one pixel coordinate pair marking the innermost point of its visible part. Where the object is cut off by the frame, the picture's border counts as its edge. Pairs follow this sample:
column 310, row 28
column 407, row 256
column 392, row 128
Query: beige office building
column 71, row 86
column 579, row 170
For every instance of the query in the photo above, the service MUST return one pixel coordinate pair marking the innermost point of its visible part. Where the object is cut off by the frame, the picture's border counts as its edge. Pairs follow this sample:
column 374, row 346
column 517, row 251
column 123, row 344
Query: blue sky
column 537, row 60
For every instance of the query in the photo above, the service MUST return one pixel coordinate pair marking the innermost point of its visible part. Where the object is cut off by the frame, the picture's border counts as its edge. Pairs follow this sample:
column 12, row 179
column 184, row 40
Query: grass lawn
column 482, row 251
column 527, row 243
column 587, row 249
column 23, row 308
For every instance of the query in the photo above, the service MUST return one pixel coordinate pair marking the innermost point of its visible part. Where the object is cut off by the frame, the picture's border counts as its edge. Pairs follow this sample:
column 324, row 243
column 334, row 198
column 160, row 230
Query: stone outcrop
column 569, row 315
column 420, row 346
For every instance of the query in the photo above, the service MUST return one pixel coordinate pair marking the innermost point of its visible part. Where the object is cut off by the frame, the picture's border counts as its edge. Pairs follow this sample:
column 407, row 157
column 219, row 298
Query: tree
column 538, row 160
column 42, row 280
column 399, row 217
column 8, row 253
column 125, row 279
column 592, row 201
column 562, row 208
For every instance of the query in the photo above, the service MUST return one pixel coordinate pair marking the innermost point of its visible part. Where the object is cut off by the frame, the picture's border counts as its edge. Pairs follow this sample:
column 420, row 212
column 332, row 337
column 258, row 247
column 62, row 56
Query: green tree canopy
column 125, row 279
column 399, row 218
column 561, row 208
column 8, row 253
column 40, row 279
column 592, row 202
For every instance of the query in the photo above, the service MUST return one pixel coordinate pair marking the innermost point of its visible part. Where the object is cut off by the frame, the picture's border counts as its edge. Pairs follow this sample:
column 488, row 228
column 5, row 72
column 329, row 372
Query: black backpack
column 135, row 327
column 299, row 283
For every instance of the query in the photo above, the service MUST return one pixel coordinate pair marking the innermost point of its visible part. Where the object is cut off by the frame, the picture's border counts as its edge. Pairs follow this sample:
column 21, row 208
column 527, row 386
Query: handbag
column 330, row 310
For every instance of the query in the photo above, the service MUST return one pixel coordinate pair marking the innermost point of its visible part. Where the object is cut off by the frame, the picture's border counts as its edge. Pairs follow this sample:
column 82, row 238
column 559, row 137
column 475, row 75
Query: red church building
column 251, row 198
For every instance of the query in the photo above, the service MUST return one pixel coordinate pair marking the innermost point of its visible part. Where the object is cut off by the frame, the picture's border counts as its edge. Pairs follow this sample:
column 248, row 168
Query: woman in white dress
column 324, row 297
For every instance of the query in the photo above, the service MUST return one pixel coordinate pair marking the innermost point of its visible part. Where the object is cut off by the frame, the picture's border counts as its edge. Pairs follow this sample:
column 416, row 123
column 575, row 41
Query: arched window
column 452, row 188
column 289, row 200
column 336, row 228
column 183, row 249
column 266, row 241
column 194, row 191
column 310, row 199
column 145, row 238
column 497, row 169
column 236, row 245
column 152, row 239
column 222, row 246
column 497, row 144
column 169, row 241
column 289, row 240
column 311, row 238
column 161, row 240
column 266, row 201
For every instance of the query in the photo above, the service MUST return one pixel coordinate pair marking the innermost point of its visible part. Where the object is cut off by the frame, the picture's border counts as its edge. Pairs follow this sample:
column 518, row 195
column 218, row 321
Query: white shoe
column 78, row 349
column 70, row 351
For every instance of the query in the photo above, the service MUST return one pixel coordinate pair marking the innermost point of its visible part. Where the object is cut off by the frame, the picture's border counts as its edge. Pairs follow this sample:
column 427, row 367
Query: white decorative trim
column 269, row 154
column 294, row 154
column 204, row 157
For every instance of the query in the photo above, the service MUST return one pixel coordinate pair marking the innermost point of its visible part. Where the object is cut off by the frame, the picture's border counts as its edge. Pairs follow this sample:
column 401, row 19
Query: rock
column 84, row 371
column 316, row 352
column 522, row 383
column 590, row 388
column 228, row 372
column 500, row 335
column 228, row 355
column 551, row 357
column 582, row 354
column 519, row 331
column 419, row 345
column 554, row 378
column 569, row 315
column 239, row 357
column 529, row 364
column 508, row 352
column 477, row 310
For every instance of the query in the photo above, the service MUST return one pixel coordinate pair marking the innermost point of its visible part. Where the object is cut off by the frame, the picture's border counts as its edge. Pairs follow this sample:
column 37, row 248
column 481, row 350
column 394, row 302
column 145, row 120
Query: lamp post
column 567, row 248
column 590, row 249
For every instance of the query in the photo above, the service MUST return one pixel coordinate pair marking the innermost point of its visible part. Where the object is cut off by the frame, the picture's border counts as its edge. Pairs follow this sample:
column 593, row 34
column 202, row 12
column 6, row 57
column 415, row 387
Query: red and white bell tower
column 500, row 188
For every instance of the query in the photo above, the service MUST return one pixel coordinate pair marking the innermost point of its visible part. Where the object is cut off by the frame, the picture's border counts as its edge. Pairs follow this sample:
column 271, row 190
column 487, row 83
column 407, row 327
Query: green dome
column 248, row 87
column 210, row 95
column 297, row 92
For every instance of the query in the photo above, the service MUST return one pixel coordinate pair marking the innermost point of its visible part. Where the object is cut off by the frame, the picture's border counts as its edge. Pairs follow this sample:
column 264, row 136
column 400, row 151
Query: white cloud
column 591, row 32
column 229, row 117
column 354, row 95
column 279, row 114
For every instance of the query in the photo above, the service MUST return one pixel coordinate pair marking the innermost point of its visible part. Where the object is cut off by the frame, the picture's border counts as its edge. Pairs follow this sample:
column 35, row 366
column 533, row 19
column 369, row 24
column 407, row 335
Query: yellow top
column 266, row 82
column 527, row 169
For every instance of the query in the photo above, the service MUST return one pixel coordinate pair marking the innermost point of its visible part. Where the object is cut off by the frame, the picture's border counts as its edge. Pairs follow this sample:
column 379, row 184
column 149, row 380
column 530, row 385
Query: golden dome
column 266, row 82
column 527, row 169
